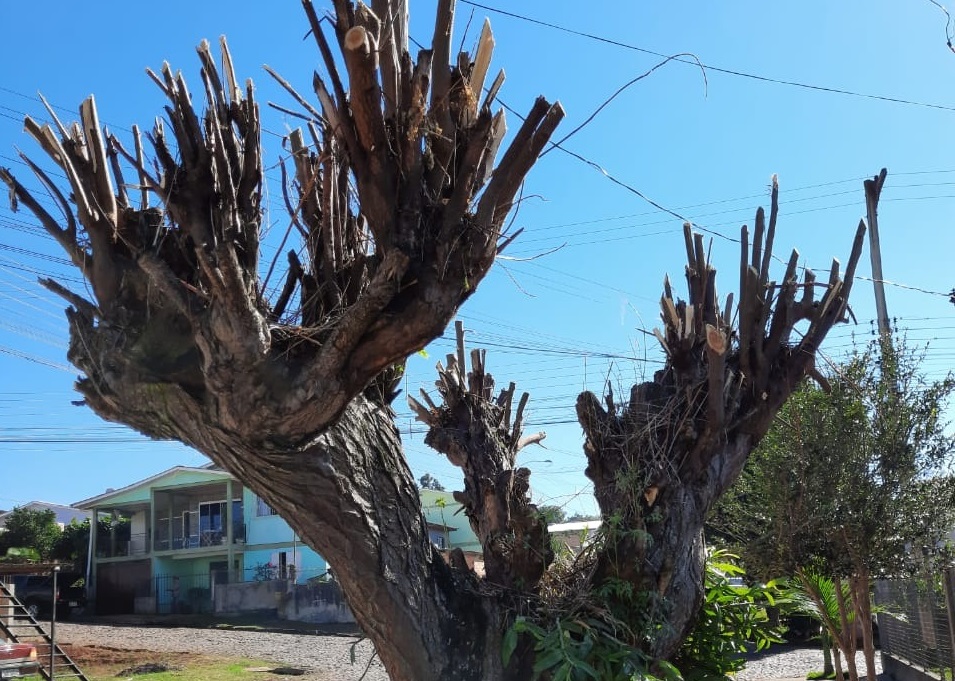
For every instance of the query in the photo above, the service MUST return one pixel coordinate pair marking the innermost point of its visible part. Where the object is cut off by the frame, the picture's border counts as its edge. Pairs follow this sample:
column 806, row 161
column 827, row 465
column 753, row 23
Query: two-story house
column 163, row 544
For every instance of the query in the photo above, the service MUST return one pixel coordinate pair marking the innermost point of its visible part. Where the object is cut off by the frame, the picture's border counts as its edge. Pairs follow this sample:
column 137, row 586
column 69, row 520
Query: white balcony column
column 229, row 533
column 91, row 559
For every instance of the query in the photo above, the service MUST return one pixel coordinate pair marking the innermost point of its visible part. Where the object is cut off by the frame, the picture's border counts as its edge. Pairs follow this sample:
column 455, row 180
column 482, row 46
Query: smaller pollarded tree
column 848, row 480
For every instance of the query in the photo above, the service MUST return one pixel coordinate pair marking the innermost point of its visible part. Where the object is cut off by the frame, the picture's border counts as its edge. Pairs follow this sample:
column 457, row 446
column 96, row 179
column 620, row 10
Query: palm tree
column 824, row 599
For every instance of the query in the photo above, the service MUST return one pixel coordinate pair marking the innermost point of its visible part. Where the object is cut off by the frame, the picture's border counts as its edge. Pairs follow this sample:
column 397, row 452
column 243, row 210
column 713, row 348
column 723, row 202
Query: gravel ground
column 327, row 658
column 792, row 662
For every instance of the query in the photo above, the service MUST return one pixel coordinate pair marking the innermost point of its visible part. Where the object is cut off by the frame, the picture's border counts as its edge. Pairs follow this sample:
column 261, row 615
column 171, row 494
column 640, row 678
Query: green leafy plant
column 591, row 642
column 579, row 649
column 732, row 621
column 17, row 554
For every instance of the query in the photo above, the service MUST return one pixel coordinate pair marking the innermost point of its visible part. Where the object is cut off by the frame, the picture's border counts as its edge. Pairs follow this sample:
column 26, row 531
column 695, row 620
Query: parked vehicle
column 16, row 660
column 36, row 594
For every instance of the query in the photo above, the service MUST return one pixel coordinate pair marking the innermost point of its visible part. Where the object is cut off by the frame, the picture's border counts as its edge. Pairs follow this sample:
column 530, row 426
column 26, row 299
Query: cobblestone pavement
column 792, row 662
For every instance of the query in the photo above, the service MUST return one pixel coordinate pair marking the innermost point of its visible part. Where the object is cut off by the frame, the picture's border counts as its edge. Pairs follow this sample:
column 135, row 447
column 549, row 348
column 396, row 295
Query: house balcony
column 131, row 546
column 197, row 518
column 201, row 539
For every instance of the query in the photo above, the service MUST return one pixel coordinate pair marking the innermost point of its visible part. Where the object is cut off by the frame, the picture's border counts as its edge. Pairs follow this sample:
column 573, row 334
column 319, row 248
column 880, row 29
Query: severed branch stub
column 482, row 435
column 722, row 380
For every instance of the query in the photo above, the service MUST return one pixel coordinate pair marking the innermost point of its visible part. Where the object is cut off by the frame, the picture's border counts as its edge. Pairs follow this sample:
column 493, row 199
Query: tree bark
column 861, row 600
column 351, row 493
column 827, row 668
column 847, row 632
column 837, row 660
column 181, row 342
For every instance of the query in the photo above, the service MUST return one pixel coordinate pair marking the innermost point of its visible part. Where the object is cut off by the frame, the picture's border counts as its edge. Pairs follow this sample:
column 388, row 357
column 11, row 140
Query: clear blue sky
column 572, row 318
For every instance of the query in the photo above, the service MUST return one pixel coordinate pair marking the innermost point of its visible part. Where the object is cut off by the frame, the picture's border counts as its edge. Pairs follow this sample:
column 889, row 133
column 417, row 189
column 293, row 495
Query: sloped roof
column 578, row 526
column 151, row 481
column 64, row 513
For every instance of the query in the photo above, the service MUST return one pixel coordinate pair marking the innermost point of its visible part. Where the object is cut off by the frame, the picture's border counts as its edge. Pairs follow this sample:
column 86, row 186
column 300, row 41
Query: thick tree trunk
column 180, row 341
column 660, row 460
column 350, row 494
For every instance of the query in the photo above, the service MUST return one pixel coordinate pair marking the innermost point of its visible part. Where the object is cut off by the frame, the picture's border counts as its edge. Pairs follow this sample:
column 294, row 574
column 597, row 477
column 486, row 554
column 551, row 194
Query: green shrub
column 732, row 621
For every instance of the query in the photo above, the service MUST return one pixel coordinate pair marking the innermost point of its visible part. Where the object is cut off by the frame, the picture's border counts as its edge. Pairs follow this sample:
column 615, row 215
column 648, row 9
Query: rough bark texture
column 482, row 436
column 393, row 189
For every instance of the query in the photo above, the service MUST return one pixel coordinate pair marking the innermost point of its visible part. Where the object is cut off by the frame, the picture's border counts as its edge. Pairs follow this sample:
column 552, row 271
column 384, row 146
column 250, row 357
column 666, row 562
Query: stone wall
column 320, row 603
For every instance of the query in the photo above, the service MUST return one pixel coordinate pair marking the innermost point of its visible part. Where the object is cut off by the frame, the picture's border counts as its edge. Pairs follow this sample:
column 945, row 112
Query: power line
column 708, row 67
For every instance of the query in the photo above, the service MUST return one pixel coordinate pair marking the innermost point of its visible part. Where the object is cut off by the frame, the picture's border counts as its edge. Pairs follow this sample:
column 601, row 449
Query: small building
column 574, row 534
column 448, row 526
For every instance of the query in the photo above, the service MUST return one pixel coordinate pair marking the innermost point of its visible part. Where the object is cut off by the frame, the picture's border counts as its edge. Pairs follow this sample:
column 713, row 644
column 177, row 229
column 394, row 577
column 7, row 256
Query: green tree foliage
column 587, row 644
column 428, row 481
column 848, row 480
column 814, row 594
column 852, row 477
column 553, row 514
column 580, row 517
column 31, row 529
column 732, row 621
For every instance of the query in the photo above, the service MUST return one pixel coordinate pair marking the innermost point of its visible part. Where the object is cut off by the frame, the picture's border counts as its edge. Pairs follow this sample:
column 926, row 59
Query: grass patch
column 100, row 663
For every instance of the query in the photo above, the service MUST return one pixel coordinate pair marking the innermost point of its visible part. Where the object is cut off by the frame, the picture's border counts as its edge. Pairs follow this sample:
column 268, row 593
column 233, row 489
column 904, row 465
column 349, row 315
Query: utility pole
column 873, row 189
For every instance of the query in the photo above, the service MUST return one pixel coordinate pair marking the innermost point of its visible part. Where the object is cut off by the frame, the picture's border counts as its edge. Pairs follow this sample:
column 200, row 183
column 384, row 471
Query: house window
column 262, row 508
column 437, row 538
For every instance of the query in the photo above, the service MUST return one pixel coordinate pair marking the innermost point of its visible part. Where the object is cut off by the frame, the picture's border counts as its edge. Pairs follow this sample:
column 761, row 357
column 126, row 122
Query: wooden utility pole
column 873, row 189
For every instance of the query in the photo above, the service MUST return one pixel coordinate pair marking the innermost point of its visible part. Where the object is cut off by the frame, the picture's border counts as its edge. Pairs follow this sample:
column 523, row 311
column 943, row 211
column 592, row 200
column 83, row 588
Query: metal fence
column 917, row 622
column 183, row 594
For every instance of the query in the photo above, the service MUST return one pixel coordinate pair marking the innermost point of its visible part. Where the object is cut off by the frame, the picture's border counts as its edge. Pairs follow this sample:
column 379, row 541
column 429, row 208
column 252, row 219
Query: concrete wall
column 899, row 670
column 318, row 603
column 264, row 529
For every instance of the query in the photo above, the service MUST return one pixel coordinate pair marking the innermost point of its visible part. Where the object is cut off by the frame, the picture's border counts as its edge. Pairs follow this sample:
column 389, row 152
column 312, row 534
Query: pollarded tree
column 400, row 205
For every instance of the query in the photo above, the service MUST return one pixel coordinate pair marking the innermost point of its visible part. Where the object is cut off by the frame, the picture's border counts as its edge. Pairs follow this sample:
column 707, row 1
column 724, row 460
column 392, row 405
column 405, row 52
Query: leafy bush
column 579, row 649
column 732, row 621
column 590, row 643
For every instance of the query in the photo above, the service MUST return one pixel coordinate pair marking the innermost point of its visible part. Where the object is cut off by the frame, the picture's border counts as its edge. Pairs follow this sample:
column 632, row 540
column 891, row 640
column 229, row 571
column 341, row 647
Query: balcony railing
column 197, row 540
column 134, row 545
